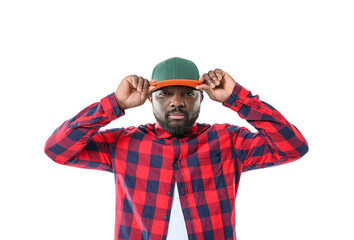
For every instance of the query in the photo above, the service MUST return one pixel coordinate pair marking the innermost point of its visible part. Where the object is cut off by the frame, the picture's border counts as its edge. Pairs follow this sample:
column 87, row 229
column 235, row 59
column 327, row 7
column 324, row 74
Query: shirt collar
column 162, row 133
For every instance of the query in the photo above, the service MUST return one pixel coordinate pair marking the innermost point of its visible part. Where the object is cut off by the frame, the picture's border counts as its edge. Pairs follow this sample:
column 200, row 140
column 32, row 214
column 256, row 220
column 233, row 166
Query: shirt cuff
column 237, row 98
column 111, row 108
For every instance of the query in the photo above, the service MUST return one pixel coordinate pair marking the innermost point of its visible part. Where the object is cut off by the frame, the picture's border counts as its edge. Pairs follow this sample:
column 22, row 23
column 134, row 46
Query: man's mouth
column 177, row 116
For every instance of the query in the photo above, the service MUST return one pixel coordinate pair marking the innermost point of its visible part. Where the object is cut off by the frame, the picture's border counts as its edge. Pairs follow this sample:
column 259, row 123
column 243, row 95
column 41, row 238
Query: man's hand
column 133, row 91
column 217, row 84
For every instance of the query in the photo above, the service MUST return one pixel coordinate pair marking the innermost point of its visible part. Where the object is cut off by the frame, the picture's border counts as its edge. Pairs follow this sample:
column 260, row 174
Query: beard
column 178, row 130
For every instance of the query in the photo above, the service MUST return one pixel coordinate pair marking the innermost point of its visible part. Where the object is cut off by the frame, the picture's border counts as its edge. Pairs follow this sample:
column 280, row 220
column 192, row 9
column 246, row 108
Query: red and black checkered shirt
column 206, row 164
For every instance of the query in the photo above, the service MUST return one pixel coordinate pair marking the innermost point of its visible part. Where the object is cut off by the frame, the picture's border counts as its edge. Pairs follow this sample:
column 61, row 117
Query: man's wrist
column 236, row 98
column 120, row 105
column 111, row 107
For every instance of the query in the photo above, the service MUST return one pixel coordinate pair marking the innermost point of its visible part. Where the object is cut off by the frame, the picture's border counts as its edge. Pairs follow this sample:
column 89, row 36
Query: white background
column 57, row 57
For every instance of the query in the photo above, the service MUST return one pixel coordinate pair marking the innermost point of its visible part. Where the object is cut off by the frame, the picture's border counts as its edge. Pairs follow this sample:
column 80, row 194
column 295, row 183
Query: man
column 205, row 160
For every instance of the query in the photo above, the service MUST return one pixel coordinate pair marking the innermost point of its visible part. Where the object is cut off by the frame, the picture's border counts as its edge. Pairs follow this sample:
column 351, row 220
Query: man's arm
column 78, row 142
column 277, row 141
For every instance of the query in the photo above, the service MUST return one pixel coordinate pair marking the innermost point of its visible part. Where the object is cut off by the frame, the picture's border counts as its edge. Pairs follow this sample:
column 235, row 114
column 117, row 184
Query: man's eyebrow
column 165, row 90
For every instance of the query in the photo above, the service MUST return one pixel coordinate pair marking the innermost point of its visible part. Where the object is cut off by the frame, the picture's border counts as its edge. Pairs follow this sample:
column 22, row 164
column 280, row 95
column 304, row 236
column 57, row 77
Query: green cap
column 176, row 72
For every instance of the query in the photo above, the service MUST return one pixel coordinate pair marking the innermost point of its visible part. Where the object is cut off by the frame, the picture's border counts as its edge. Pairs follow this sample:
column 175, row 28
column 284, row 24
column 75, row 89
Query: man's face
column 176, row 108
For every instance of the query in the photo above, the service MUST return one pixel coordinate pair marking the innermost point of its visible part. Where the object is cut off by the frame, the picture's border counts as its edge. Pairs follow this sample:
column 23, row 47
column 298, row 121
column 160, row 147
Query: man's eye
column 163, row 94
column 189, row 94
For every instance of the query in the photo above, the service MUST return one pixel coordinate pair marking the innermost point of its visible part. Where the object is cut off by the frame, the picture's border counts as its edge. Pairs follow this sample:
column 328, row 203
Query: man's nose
column 177, row 101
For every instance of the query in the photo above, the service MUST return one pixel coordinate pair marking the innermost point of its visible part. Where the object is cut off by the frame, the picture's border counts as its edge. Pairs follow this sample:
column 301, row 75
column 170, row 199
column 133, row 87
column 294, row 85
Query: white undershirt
column 177, row 228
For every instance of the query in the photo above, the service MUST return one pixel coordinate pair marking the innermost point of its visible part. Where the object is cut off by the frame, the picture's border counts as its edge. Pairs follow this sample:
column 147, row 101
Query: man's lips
column 177, row 115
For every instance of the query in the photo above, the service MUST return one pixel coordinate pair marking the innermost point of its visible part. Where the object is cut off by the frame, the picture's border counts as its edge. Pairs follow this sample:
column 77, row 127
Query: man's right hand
column 133, row 91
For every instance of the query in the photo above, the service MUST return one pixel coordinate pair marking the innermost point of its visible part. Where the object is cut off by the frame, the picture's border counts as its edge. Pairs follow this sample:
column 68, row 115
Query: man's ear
column 201, row 97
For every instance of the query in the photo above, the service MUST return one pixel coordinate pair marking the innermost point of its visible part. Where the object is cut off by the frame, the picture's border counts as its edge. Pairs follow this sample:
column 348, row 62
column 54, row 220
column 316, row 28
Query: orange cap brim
column 176, row 82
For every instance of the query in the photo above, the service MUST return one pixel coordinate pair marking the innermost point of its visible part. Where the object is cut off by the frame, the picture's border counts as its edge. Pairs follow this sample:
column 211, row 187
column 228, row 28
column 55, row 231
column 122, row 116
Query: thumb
column 151, row 88
column 207, row 89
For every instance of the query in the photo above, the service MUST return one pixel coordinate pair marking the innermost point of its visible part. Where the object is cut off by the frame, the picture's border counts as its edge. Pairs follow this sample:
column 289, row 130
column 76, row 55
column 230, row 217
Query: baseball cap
column 176, row 72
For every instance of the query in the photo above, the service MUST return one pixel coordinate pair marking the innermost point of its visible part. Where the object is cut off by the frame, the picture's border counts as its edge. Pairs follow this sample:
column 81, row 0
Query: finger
column 133, row 80
column 207, row 89
column 219, row 73
column 145, row 85
column 214, row 78
column 201, row 79
column 140, row 84
column 150, row 90
column 208, row 80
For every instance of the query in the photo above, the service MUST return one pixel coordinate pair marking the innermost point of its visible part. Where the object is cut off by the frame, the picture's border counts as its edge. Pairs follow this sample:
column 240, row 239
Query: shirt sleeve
column 78, row 142
column 276, row 142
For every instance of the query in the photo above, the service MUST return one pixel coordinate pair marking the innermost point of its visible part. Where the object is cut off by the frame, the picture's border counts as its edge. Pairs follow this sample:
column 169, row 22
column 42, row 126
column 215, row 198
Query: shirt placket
column 181, row 186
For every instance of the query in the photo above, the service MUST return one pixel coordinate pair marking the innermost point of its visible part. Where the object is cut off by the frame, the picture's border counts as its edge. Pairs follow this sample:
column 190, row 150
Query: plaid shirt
column 206, row 164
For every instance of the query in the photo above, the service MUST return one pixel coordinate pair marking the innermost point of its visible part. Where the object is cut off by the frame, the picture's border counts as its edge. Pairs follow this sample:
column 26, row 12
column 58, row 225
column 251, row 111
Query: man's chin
column 176, row 127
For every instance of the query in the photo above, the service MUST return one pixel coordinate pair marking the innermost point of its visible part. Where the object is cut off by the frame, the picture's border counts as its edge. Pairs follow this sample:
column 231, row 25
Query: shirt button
column 174, row 164
column 115, row 113
column 165, row 218
column 259, row 107
column 169, row 194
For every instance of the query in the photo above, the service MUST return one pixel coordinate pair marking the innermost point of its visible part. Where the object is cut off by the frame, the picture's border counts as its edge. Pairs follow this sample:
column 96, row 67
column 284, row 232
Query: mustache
column 177, row 109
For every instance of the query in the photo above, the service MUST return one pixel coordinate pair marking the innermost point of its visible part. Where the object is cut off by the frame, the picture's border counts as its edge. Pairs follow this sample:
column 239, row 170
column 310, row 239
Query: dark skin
column 185, row 99
column 134, row 90
column 217, row 84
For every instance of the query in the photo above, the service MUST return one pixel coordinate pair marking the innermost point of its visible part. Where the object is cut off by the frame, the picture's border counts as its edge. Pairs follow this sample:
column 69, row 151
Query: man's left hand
column 217, row 84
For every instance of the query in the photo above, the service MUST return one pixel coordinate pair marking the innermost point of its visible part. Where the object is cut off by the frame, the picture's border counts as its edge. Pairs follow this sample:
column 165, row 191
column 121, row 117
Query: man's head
column 176, row 102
